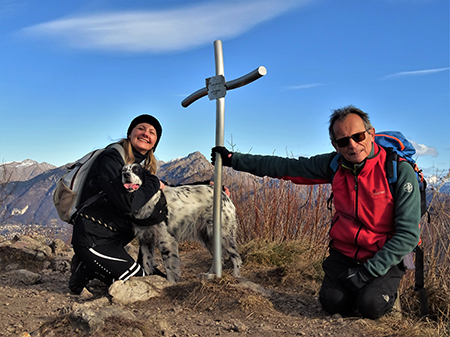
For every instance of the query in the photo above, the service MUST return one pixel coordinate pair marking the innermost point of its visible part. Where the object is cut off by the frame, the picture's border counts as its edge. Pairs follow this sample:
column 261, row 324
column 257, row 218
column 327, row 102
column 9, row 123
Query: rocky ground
column 265, row 303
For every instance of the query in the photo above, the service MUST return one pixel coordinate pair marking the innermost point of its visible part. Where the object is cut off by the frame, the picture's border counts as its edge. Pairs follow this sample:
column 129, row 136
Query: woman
column 103, row 229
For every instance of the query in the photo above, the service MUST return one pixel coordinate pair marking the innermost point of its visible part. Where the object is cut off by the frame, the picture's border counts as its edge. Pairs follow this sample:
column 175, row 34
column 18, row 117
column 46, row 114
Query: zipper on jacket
column 355, row 170
column 356, row 255
column 356, row 196
column 356, row 217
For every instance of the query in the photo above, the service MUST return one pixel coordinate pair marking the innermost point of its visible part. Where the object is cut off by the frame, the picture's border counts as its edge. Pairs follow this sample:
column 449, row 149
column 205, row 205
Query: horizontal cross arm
column 246, row 79
column 239, row 82
column 193, row 97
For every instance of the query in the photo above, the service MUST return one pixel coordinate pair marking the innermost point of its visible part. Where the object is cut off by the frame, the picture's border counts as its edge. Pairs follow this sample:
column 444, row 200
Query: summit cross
column 216, row 88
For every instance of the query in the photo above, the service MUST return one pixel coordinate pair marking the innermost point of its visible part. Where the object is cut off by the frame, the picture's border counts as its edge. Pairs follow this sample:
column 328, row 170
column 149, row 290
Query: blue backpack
column 398, row 148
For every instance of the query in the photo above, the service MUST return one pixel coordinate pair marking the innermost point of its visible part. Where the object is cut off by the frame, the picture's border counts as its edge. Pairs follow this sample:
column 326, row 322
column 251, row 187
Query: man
column 372, row 229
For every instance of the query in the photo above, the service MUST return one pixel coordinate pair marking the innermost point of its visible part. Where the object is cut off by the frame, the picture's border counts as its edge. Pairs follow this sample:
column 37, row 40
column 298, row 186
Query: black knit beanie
column 146, row 119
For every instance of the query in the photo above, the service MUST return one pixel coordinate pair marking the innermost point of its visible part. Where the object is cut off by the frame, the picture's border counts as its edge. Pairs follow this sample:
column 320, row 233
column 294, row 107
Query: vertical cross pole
column 220, row 121
column 216, row 88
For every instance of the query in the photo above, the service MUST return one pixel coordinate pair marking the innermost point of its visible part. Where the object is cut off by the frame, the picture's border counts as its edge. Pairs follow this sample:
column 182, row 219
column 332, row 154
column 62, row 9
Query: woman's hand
column 161, row 185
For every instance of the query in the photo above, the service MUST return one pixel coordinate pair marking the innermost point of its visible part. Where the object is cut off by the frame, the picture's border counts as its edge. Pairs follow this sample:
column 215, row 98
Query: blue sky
column 73, row 74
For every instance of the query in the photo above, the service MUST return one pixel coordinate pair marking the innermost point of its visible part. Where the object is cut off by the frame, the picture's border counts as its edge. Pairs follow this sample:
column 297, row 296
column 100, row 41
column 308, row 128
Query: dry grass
column 290, row 260
column 220, row 294
column 278, row 211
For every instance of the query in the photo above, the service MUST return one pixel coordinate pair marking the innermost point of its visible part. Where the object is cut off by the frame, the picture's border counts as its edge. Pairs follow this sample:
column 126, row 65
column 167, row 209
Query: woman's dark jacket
column 112, row 223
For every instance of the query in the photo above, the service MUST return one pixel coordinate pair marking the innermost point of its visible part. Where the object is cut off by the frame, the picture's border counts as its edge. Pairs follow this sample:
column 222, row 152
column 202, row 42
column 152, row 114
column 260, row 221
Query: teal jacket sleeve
column 305, row 171
column 407, row 219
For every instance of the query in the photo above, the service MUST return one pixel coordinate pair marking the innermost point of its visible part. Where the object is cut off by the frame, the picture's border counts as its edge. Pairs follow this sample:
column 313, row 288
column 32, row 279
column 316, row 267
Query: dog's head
column 132, row 177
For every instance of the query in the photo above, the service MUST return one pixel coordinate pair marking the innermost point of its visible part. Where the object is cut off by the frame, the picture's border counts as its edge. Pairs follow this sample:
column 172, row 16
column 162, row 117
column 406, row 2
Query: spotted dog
column 189, row 217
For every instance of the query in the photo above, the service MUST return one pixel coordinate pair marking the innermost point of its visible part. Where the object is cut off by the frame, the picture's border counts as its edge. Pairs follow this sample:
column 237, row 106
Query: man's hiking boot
column 80, row 276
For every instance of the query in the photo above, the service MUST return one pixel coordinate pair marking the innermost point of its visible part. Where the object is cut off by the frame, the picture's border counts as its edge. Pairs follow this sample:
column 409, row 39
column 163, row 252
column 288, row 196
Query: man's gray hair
column 341, row 115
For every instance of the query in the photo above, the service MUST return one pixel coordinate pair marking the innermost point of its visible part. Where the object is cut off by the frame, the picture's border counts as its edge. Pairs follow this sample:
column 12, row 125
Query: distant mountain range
column 23, row 170
column 31, row 186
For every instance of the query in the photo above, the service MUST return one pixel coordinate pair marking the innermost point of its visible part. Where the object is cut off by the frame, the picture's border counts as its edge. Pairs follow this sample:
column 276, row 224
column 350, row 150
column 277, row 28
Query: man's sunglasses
column 357, row 137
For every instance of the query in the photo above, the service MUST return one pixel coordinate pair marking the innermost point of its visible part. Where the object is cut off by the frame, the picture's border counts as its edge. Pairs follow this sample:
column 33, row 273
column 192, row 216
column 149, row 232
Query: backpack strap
column 119, row 149
column 85, row 204
column 334, row 166
column 420, row 283
column 392, row 159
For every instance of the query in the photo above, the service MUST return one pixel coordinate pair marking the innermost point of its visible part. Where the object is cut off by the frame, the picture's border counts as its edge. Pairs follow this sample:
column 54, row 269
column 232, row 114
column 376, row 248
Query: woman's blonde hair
column 150, row 160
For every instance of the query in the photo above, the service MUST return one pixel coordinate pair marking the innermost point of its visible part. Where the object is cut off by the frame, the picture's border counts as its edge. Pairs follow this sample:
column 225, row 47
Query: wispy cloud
column 423, row 150
column 304, row 86
column 162, row 31
column 416, row 73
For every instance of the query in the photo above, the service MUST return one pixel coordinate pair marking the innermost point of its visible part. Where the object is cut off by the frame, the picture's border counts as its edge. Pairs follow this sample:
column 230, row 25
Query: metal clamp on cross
column 216, row 88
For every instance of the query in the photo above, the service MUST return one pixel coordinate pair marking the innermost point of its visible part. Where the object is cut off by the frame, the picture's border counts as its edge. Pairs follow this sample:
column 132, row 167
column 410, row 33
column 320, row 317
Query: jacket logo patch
column 374, row 192
column 408, row 187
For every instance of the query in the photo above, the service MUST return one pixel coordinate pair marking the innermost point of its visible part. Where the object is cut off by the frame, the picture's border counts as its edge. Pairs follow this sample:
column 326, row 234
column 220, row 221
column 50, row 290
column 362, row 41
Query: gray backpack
column 66, row 195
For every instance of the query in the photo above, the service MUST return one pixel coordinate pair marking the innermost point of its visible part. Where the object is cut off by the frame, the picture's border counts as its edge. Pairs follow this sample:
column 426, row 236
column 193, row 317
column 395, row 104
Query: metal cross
column 216, row 88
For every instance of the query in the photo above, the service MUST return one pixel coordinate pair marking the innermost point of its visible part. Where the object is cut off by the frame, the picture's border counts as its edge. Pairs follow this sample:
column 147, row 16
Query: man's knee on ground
column 374, row 305
column 334, row 301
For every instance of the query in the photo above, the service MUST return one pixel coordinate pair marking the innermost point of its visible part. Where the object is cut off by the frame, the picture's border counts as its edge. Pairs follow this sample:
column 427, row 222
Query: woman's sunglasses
column 357, row 137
